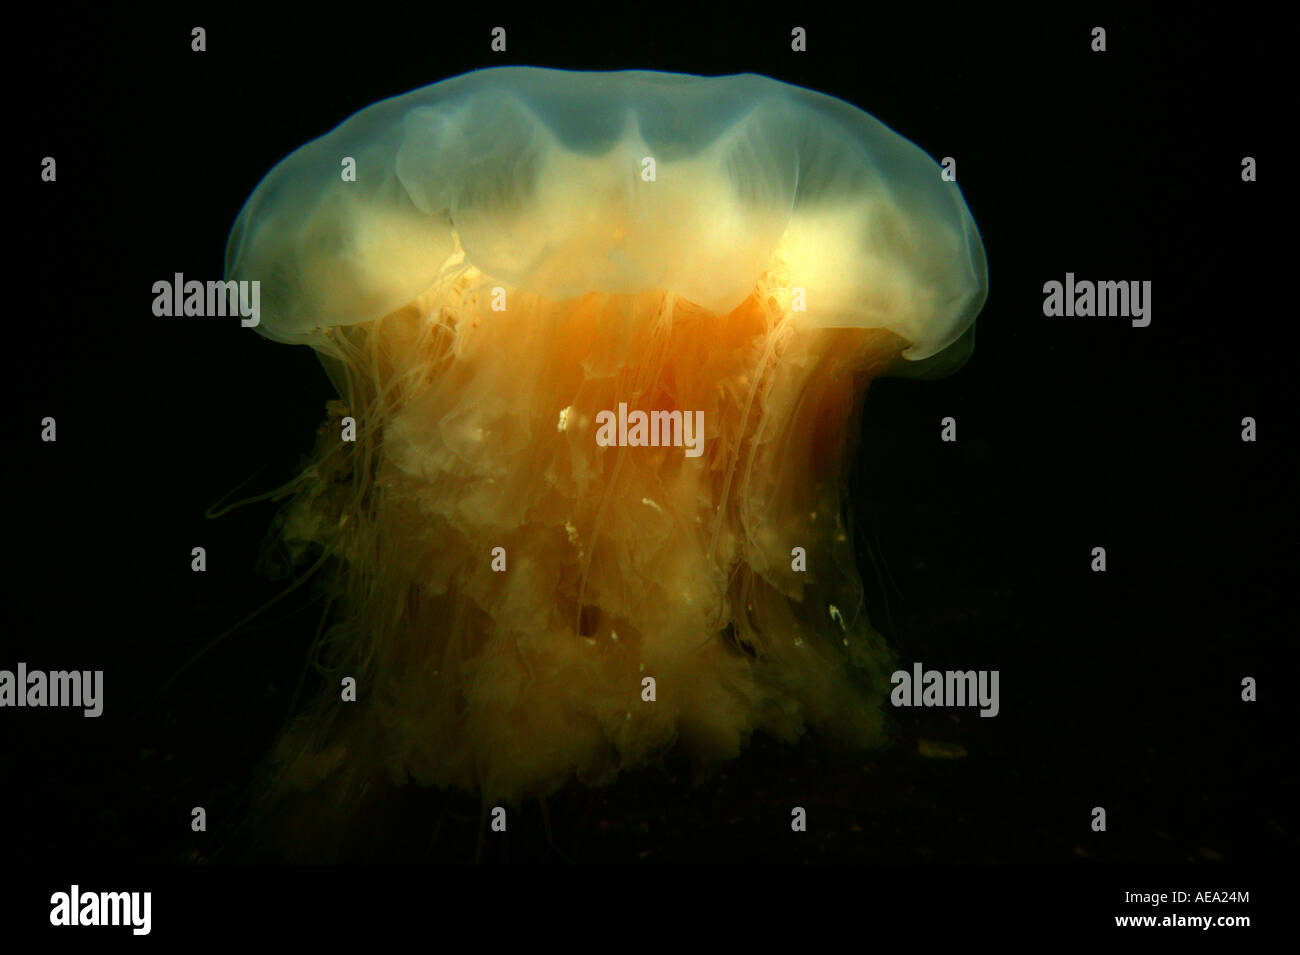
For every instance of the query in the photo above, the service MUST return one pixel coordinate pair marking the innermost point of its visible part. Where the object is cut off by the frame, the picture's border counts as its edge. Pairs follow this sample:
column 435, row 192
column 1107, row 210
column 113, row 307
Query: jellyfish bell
column 538, row 291
column 537, row 178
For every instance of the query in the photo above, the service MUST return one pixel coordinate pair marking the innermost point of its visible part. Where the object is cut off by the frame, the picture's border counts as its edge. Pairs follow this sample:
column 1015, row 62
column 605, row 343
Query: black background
column 1119, row 690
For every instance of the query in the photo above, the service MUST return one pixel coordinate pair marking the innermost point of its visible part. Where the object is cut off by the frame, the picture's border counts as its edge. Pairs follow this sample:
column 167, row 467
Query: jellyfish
column 601, row 343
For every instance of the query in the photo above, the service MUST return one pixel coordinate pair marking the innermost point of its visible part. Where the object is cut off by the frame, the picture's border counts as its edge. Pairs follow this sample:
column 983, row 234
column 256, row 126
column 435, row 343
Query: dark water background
column 1119, row 690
